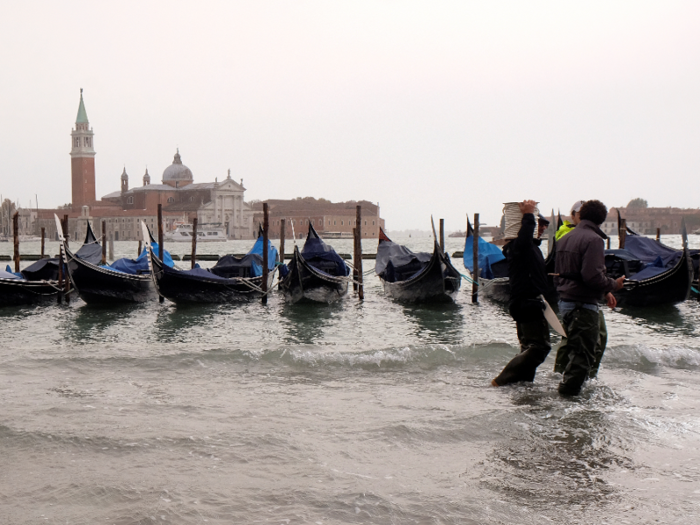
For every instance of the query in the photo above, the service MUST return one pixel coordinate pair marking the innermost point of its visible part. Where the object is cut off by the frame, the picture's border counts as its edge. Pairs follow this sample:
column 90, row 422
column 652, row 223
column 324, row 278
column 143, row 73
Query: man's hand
column 527, row 207
column 618, row 282
column 610, row 300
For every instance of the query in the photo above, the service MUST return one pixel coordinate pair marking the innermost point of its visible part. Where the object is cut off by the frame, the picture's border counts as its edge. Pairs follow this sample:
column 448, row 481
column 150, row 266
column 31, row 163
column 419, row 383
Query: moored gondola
column 656, row 274
column 415, row 277
column 124, row 281
column 316, row 273
column 232, row 279
column 39, row 282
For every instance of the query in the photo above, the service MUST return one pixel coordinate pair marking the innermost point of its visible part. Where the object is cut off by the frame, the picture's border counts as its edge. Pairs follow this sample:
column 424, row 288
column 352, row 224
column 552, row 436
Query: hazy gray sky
column 442, row 108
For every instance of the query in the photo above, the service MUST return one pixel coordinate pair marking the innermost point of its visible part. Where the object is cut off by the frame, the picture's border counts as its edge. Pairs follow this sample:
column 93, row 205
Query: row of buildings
column 218, row 204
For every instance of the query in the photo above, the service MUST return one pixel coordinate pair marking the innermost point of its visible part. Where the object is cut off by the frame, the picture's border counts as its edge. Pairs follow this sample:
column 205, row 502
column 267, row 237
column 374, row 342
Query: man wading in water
column 582, row 285
column 528, row 280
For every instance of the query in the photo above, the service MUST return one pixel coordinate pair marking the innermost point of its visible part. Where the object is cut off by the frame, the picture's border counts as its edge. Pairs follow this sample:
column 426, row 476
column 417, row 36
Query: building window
column 372, row 223
column 171, row 199
column 76, row 142
column 129, row 200
column 342, row 223
column 334, row 223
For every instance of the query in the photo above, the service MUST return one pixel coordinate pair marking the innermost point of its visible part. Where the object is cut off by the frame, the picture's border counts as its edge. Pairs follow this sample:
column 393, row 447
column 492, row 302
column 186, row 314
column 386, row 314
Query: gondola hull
column 182, row 288
column 670, row 287
column 438, row 281
column 304, row 282
column 98, row 285
column 17, row 292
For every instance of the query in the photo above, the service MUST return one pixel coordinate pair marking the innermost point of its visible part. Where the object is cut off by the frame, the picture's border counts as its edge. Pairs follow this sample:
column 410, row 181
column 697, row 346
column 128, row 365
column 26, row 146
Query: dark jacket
column 526, row 271
column 581, row 265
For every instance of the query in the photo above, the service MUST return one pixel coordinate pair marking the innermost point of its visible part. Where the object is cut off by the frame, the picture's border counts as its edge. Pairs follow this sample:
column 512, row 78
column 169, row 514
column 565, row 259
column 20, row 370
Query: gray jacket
column 580, row 264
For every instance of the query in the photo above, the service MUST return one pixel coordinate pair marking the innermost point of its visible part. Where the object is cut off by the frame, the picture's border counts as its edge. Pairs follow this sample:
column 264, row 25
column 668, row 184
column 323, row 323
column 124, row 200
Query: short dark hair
column 594, row 211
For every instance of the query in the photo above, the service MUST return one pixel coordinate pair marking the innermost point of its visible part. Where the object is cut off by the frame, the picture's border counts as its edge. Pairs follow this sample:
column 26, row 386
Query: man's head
column 594, row 211
column 576, row 212
column 542, row 224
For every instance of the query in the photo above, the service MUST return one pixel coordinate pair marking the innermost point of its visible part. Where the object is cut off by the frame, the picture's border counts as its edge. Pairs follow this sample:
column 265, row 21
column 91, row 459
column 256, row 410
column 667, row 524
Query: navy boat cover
column 322, row 257
column 397, row 263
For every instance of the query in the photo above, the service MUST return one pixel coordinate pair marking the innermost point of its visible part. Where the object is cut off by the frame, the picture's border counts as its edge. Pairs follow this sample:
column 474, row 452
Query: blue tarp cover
column 9, row 274
column 395, row 262
column 488, row 255
column 140, row 265
column 322, row 257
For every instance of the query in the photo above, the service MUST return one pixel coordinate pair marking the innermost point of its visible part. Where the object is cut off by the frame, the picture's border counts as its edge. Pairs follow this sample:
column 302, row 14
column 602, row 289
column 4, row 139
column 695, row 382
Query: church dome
column 177, row 171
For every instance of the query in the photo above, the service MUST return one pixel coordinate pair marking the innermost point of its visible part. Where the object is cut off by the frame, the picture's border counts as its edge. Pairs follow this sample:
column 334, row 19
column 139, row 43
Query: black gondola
column 656, row 274
column 98, row 284
column 232, row 279
column 415, row 277
column 316, row 273
column 38, row 282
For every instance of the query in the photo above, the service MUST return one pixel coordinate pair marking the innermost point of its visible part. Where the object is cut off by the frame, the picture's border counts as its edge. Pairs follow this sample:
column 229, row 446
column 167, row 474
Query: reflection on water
column 305, row 322
column 439, row 323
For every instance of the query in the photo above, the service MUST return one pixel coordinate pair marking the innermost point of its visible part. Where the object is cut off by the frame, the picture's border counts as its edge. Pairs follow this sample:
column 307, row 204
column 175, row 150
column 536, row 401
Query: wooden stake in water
column 194, row 241
column 265, row 254
column 160, row 240
column 139, row 249
column 282, row 234
column 475, row 273
column 43, row 238
column 15, row 239
column 658, row 234
column 66, row 233
column 623, row 233
column 358, row 253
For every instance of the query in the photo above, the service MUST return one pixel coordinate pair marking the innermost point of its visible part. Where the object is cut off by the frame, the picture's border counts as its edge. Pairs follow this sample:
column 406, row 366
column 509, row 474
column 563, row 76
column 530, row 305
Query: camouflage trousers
column 563, row 353
column 580, row 352
column 534, row 348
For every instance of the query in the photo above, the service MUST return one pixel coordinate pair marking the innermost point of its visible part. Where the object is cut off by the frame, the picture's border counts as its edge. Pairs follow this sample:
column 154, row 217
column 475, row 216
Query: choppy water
column 367, row 412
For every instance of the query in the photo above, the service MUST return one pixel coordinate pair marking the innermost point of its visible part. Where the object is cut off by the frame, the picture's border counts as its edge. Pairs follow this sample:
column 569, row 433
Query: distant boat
column 415, row 277
column 316, row 273
column 205, row 233
column 338, row 235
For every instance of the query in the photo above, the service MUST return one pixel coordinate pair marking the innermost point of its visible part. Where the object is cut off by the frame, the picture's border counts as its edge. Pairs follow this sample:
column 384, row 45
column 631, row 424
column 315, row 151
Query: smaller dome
column 177, row 171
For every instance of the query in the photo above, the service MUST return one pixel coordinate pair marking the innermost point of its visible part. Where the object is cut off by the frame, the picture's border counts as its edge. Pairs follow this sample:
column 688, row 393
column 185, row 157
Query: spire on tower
column 82, row 114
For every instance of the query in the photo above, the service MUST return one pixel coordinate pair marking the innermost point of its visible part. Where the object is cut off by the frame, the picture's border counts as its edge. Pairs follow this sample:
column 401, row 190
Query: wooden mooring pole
column 442, row 234
column 475, row 273
column 161, row 299
column 658, row 234
column 358, row 254
column 282, row 234
column 623, row 233
column 265, row 254
column 194, row 241
column 104, row 242
column 15, row 239
column 66, row 233
column 43, row 238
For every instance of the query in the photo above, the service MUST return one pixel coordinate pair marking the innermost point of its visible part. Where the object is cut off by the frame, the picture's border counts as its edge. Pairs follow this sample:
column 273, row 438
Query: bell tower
column 82, row 160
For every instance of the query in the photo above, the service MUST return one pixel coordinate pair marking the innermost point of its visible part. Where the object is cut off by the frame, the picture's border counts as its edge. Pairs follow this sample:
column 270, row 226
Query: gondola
column 232, row 279
column 415, row 277
column 39, row 282
column 316, row 273
column 124, row 281
column 656, row 274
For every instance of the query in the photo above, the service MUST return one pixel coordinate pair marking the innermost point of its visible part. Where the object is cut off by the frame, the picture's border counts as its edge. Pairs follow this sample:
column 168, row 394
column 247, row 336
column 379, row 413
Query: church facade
column 215, row 203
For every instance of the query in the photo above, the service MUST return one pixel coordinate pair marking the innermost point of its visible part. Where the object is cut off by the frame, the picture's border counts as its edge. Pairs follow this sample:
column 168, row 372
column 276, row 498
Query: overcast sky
column 442, row 108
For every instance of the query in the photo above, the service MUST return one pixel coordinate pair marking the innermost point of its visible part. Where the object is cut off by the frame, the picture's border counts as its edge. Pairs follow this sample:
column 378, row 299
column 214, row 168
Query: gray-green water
column 370, row 412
